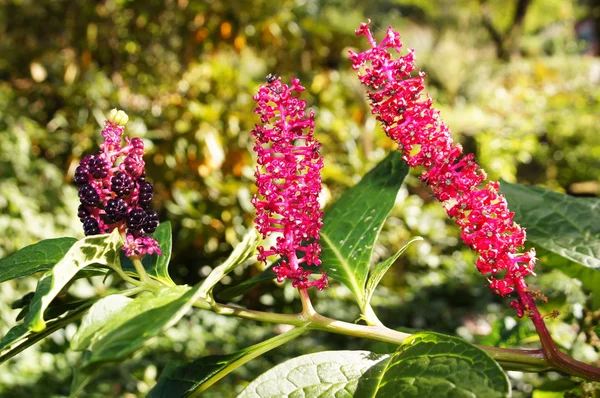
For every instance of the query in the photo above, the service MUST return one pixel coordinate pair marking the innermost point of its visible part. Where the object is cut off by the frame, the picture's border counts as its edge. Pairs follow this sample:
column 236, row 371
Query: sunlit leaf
column 100, row 249
column 425, row 365
column 40, row 256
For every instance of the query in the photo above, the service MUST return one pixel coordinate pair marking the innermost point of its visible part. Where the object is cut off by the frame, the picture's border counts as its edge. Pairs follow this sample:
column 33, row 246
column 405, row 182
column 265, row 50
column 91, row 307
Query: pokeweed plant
column 310, row 248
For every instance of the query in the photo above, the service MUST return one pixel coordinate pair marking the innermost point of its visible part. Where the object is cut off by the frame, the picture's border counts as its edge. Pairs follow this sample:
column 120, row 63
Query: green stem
column 124, row 276
column 139, row 268
column 253, row 352
column 510, row 359
column 370, row 317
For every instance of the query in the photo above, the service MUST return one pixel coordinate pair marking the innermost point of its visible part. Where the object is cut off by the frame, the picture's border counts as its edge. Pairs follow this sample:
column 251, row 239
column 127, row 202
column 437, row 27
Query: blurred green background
column 516, row 80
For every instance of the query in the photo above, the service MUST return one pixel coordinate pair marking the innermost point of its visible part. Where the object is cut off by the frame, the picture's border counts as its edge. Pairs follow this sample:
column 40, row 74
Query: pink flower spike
column 289, row 181
column 409, row 118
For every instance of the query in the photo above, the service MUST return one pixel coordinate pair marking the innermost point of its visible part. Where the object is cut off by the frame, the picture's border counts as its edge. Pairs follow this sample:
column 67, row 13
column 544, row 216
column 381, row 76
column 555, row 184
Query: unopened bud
column 117, row 116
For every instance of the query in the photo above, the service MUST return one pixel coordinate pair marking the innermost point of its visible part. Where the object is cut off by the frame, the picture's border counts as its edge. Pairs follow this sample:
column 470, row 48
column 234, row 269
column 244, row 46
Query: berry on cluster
column 288, row 177
column 114, row 192
column 409, row 118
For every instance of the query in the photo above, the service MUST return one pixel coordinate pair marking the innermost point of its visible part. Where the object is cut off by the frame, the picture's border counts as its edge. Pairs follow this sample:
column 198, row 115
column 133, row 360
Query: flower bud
column 117, row 116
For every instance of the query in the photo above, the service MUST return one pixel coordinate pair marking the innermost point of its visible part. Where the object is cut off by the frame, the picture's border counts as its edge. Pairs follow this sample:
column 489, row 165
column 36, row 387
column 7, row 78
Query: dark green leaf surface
column 379, row 271
column 156, row 266
column 435, row 365
column 352, row 224
column 180, row 379
column 140, row 320
column 425, row 365
column 561, row 224
column 20, row 337
column 34, row 258
column 183, row 380
column 100, row 249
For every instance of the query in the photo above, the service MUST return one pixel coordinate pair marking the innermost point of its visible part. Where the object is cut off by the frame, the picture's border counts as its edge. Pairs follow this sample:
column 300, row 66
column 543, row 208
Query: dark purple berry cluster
column 113, row 189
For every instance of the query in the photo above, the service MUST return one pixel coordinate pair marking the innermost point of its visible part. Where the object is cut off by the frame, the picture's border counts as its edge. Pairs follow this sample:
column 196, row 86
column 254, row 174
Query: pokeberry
column 85, row 160
column 137, row 146
column 146, row 194
column 122, row 184
column 136, row 219
column 151, row 221
column 98, row 167
column 90, row 226
column 81, row 175
column 116, row 209
column 134, row 165
column 88, row 195
column 82, row 212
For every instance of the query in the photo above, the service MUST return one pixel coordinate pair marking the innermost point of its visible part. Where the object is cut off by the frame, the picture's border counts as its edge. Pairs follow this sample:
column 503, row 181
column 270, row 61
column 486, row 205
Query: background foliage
column 185, row 71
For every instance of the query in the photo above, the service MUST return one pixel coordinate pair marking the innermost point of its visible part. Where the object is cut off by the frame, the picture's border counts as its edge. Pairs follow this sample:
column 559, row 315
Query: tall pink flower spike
column 288, row 177
column 480, row 211
column 409, row 118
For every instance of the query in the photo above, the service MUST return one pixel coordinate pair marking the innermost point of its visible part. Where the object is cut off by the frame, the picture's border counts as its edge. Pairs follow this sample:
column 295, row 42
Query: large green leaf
column 561, row 224
column 156, row 266
column 140, row 320
column 351, row 226
column 40, row 256
column 242, row 252
column 425, row 365
column 186, row 380
column 100, row 249
column 435, row 365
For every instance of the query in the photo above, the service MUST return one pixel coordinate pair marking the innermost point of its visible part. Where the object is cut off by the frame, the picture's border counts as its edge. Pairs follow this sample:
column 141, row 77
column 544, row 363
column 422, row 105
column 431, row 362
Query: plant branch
column 510, row 359
column 556, row 358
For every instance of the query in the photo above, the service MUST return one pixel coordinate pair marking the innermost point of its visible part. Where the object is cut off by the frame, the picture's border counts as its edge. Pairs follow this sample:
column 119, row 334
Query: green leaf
column 183, row 380
column 40, row 256
column 96, row 318
column 20, row 337
column 100, row 249
column 323, row 374
column 425, row 365
column 140, row 320
column 379, row 271
column 352, row 224
column 242, row 252
column 156, row 266
column 435, row 365
column 564, row 225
